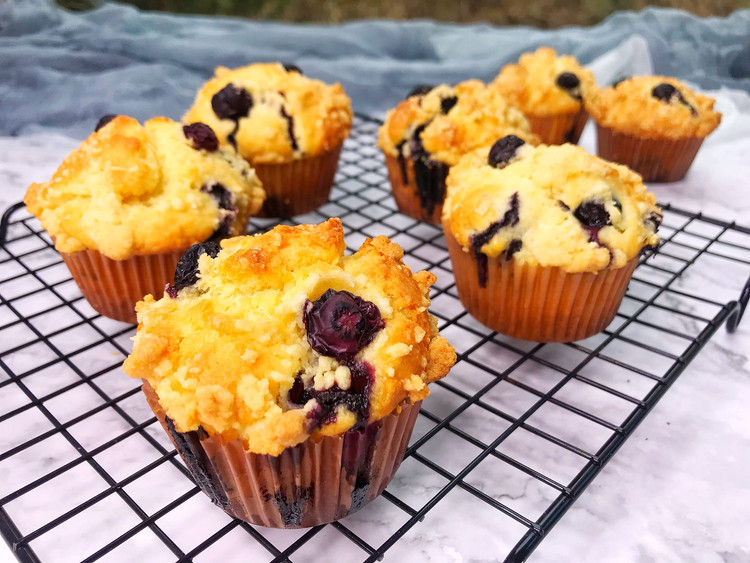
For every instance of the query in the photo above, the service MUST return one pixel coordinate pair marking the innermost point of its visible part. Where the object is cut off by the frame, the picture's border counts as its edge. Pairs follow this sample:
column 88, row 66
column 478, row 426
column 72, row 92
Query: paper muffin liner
column 312, row 483
column 542, row 304
column 297, row 187
column 559, row 129
column 113, row 287
column 656, row 160
column 404, row 187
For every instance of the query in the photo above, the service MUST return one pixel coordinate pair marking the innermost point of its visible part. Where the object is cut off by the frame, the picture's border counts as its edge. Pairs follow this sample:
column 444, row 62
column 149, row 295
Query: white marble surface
column 678, row 490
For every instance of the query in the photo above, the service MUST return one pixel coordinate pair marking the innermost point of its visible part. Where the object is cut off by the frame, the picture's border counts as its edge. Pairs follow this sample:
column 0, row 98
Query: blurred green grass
column 539, row 13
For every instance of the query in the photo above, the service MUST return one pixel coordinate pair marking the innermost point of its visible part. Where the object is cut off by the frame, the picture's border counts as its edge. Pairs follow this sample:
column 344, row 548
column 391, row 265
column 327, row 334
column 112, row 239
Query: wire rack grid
column 502, row 448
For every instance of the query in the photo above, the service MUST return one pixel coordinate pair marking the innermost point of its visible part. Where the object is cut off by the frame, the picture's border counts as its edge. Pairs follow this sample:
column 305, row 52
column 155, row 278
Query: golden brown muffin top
column 132, row 189
column 549, row 206
column 448, row 122
column 273, row 114
column 654, row 107
column 281, row 336
column 544, row 84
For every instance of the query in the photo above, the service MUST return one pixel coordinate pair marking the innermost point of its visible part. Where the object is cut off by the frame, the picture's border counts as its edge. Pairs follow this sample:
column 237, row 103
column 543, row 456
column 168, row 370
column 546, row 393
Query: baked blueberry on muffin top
column 276, row 337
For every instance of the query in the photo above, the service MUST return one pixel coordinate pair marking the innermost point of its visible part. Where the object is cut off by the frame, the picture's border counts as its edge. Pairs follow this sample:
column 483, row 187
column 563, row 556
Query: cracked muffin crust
column 132, row 189
column 274, row 338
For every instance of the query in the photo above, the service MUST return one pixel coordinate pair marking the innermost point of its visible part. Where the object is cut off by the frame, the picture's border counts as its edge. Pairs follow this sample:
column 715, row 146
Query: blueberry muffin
column 551, row 90
column 653, row 124
column 289, row 127
column 288, row 375
column 431, row 129
column 126, row 204
column 544, row 240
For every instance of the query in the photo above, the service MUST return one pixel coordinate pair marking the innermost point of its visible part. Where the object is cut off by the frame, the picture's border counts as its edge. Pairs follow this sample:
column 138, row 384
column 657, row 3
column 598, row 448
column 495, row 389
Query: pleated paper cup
column 113, row 287
column 312, row 483
column 558, row 129
column 404, row 189
column 297, row 187
column 656, row 160
column 542, row 304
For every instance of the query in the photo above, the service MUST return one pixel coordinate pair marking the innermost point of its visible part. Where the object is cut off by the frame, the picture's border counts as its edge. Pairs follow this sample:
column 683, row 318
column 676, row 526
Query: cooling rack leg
column 738, row 308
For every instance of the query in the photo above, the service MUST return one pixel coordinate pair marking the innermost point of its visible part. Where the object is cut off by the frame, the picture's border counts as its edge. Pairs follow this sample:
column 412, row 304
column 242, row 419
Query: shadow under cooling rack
column 502, row 447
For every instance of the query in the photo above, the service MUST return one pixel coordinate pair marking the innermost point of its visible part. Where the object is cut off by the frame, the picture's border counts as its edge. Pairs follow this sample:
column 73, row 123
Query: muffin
column 543, row 240
column 289, row 127
column 551, row 90
column 125, row 205
column 653, row 124
column 430, row 130
column 288, row 375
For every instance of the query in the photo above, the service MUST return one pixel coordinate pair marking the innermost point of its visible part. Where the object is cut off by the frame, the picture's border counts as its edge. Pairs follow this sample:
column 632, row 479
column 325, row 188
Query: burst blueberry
column 202, row 136
column 186, row 272
column 592, row 214
column 420, row 90
column 289, row 67
column 503, row 151
column 446, row 104
column 232, row 102
column 664, row 92
column 103, row 120
column 340, row 324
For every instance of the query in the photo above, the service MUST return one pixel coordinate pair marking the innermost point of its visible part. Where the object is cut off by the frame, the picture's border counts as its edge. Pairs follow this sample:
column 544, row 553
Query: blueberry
column 568, row 81
column 356, row 398
column 103, row 120
column 340, row 324
column 513, row 246
column 225, row 199
column 223, row 196
column 289, row 67
column 232, row 102
column 653, row 220
column 420, row 90
column 478, row 240
column 592, row 214
column 446, row 104
column 290, row 129
column 202, row 136
column 664, row 92
column 503, row 151
column 186, row 272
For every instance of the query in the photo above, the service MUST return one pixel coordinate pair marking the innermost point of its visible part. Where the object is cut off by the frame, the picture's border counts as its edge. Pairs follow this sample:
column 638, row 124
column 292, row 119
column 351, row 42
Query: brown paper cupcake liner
column 297, row 187
column 656, row 160
column 559, row 129
column 113, row 287
column 542, row 304
column 312, row 483
column 406, row 192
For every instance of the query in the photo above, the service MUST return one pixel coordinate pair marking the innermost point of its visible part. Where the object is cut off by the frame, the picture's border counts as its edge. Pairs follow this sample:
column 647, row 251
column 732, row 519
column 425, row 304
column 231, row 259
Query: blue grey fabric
column 61, row 71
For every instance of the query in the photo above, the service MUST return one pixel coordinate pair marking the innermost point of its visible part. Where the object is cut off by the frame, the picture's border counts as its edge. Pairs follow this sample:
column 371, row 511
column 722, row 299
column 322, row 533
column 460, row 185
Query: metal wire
column 47, row 329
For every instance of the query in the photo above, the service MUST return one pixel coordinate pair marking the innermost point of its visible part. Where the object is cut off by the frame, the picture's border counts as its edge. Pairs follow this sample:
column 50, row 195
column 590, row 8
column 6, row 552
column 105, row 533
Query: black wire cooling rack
column 502, row 447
